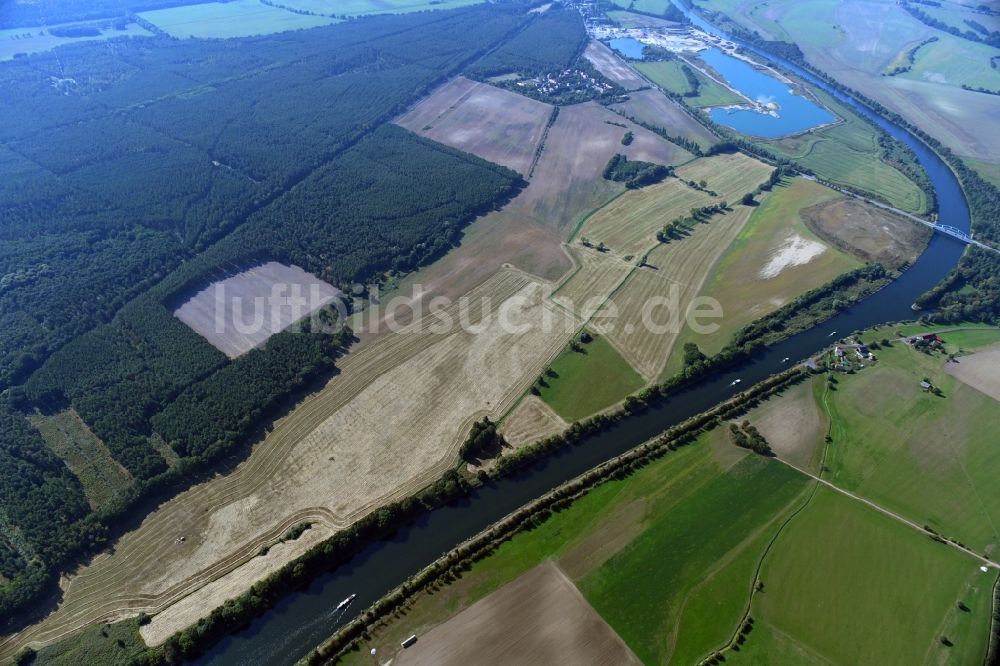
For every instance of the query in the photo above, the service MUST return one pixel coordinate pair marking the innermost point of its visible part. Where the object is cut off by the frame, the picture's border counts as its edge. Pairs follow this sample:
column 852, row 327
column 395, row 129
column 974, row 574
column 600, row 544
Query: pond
column 791, row 113
column 628, row 47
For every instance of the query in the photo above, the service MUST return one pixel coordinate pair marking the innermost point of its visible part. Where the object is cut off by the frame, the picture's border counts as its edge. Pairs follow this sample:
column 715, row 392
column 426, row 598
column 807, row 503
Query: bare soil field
column 655, row 108
column 981, row 371
column 531, row 421
column 613, row 67
column 539, row 618
column 390, row 422
column 869, row 232
column 568, row 182
column 598, row 275
column 495, row 124
column 645, row 333
column 793, row 425
column 84, row 453
column 241, row 312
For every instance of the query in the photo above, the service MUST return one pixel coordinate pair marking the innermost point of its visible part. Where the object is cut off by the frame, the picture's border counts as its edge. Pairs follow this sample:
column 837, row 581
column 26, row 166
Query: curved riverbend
column 302, row 621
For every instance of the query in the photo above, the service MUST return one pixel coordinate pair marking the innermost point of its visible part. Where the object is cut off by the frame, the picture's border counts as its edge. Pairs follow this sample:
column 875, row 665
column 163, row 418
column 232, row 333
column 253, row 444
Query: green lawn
column 587, row 382
column 668, row 75
column 845, row 584
column 933, row 459
column 970, row 337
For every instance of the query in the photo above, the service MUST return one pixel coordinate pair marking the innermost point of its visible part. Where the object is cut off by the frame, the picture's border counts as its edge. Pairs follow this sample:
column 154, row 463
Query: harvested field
column 85, row 455
column 651, row 307
column 495, row 124
column 628, row 225
column 220, row 313
column 539, row 618
column 613, row 67
column 598, row 275
column 869, row 232
column 981, row 371
column 568, row 182
column 655, row 108
column 793, row 424
column 390, row 422
column 531, row 421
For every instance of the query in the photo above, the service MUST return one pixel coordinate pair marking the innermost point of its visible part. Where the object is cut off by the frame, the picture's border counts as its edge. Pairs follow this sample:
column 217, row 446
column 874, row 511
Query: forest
column 139, row 171
column 551, row 42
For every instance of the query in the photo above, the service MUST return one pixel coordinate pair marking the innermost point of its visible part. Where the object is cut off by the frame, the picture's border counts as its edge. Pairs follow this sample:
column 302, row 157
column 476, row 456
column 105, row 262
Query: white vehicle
column 786, row 359
column 736, row 381
column 346, row 602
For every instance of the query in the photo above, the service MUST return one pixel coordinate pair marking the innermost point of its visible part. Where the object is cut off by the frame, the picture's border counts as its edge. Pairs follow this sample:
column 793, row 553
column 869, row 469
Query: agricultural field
column 668, row 75
column 598, row 274
column 15, row 41
column 774, row 259
column 612, row 67
column 345, row 8
column 492, row 123
column 794, row 425
column 647, row 315
column 856, row 560
column 628, row 224
column 234, row 18
column 848, row 154
column 114, row 643
column 585, row 382
column 382, row 428
column 868, row 232
column 539, row 618
column 531, row 421
column 86, row 456
column 980, row 370
column 238, row 313
column 652, row 521
column 931, row 458
column 655, row 108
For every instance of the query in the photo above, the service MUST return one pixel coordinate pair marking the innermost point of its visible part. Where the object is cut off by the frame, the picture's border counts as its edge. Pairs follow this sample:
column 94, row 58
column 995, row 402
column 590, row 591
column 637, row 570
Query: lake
column 795, row 113
column 628, row 47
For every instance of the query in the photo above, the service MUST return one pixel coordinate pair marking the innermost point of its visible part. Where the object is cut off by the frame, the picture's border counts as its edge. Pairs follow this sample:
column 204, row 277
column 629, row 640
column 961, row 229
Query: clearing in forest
column 241, row 312
column 495, row 124
column 539, row 618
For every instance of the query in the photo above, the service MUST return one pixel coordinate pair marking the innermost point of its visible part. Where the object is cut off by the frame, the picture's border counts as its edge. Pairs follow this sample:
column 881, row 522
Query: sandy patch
column 241, row 312
column 981, row 371
column 794, row 251
column 540, row 618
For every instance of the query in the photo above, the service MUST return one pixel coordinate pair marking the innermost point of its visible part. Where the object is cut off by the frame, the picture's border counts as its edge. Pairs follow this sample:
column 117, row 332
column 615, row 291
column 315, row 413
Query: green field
column 844, row 584
column 239, row 18
column 683, row 534
column 668, row 75
column 930, row 458
column 735, row 281
column 36, row 40
column 585, row 383
column 343, row 8
column 849, row 154
column 969, row 337
column 98, row 644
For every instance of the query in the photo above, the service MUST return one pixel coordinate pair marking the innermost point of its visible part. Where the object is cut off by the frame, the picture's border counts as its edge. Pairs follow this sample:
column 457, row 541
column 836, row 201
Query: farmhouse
column 863, row 352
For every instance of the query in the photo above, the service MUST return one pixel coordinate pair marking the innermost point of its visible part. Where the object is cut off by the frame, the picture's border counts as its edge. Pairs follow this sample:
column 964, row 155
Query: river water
column 303, row 620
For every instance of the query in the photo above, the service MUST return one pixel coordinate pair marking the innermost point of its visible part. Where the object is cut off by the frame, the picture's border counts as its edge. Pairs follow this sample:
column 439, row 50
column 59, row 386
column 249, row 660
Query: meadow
column 651, row 528
column 745, row 281
column 238, row 18
column 668, row 75
column 930, row 458
column 856, row 560
column 344, row 8
column 589, row 381
column 14, row 41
